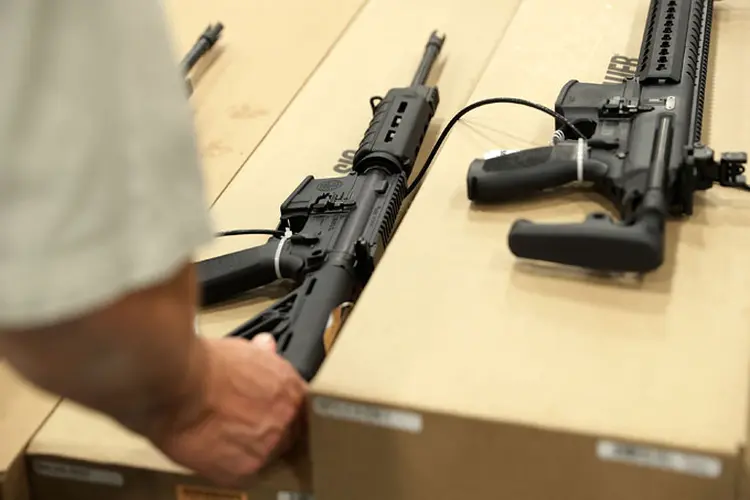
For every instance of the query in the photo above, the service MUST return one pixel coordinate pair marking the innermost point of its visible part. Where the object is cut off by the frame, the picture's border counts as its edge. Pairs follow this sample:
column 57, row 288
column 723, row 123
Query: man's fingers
column 288, row 439
column 265, row 341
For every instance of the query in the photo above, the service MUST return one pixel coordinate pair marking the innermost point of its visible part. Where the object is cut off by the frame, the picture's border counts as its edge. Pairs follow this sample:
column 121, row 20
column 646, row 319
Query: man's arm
column 101, row 205
column 137, row 360
column 222, row 408
column 101, row 209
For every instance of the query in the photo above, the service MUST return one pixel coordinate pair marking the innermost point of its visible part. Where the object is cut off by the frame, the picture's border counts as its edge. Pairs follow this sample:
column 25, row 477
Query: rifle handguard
column 526, row 172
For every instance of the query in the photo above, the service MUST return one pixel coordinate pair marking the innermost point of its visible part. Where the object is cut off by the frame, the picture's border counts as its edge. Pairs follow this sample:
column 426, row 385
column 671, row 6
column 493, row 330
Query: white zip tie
column 279, row 248
column 580, row 157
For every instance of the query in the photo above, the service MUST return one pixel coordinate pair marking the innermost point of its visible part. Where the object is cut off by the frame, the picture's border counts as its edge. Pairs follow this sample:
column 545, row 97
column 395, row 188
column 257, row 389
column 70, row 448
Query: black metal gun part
column 205, row 42
column 642, row 152
column 332, row 232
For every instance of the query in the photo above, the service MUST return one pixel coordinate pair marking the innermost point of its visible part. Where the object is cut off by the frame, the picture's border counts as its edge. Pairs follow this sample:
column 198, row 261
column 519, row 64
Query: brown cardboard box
column 23, row 409
column 266, row 53
column 83, row 456
column 464, row 373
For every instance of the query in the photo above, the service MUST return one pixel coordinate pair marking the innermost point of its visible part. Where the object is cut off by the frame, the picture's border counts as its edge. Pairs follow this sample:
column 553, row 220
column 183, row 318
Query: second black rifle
column 637, row 143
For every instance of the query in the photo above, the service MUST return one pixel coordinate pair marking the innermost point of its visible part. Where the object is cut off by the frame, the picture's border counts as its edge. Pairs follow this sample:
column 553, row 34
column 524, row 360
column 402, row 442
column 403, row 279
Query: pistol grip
column 521, row 174
column 598, row 243
column 224, row 277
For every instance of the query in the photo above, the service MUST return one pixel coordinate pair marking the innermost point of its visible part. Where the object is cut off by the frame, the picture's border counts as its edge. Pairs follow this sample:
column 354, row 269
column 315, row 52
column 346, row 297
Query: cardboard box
column 266, row 53
column 81, row 455
column 23, row 409
column 464, row 373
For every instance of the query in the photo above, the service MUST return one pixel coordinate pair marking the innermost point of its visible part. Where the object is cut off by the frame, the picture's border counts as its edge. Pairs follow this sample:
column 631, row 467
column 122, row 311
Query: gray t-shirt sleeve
column 100, row 184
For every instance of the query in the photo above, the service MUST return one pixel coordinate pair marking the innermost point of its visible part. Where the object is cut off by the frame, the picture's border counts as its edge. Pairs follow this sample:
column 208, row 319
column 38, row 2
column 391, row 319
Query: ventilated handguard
column 400, row 120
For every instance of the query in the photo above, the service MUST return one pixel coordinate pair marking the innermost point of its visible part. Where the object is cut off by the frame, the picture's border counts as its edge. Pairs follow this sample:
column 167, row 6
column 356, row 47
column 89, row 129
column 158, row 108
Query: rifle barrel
column 434, row 45
column 207, row 40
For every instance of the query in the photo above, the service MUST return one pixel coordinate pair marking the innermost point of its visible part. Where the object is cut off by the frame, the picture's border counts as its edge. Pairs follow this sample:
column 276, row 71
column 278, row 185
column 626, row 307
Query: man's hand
column 252, row 409
column 223, row 407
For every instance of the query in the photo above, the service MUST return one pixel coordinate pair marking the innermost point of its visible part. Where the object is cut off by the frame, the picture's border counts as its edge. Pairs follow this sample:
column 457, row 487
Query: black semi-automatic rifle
column 332, row 231
column 205, row 42
column 638, row 143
